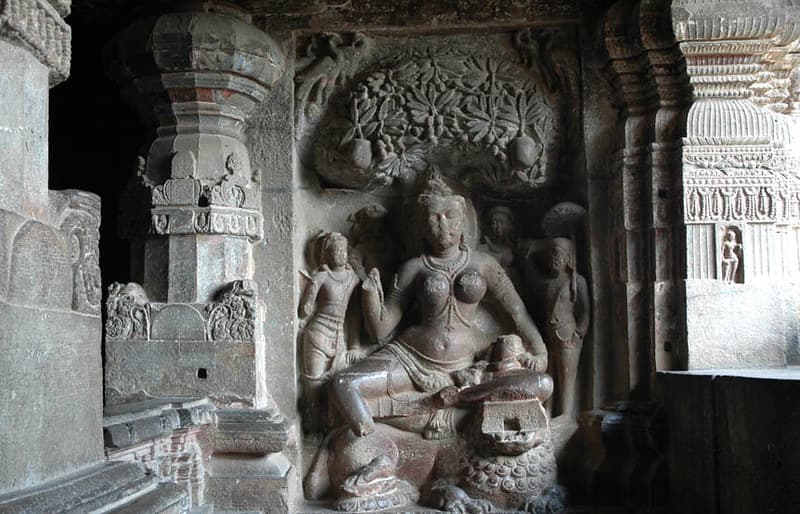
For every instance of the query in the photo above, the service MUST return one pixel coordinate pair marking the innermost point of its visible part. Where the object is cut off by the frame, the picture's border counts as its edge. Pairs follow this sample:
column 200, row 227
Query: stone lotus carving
column 233, row 315
column 128, row 312
column 480, row 110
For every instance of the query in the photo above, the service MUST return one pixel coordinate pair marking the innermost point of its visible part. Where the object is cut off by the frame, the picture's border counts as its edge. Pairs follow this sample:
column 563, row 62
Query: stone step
column 106, row 487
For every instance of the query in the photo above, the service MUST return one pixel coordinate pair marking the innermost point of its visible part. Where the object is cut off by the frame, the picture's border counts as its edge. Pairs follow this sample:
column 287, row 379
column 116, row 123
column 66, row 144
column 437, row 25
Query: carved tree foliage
column 489, row 119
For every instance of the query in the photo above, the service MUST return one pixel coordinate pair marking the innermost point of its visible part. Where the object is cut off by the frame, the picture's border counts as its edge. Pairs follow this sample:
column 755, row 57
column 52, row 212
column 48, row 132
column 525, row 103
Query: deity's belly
column 452, row 349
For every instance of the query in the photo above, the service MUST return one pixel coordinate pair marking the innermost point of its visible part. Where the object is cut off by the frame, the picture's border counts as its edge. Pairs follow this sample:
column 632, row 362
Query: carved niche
column 373, row 111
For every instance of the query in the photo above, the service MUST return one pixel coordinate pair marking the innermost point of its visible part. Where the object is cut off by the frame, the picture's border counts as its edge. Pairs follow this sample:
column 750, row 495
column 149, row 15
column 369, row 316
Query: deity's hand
column 373, row 281
column 535, row 362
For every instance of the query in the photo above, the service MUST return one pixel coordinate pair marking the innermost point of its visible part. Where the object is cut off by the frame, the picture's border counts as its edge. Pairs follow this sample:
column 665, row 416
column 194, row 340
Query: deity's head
column 730, row 235
column 500, row 221
column 334, row 249
column 562, row 255
column 441, row 214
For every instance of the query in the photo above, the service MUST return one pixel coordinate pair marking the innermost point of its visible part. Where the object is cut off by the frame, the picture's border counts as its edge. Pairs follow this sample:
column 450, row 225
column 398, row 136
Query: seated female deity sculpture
column 420, row 362
column 325, row 301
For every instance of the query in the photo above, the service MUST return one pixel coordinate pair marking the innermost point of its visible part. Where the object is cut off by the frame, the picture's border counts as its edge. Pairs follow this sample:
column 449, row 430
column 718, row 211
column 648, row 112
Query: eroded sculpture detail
column 499, row 240
column 413, row 395
column 128, row 312
column 233, row 315
column 325, row 301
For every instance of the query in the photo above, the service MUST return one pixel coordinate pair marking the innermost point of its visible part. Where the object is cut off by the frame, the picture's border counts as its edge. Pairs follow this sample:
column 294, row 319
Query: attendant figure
column 566, row 320
column 730, row 256
column 325, row 302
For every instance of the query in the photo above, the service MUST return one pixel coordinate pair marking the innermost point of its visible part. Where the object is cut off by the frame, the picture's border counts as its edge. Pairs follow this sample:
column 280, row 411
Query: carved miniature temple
column 362, row 256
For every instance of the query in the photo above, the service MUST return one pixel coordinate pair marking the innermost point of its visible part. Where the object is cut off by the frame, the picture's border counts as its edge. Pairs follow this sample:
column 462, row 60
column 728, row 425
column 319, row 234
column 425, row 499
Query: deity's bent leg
column 350, row 388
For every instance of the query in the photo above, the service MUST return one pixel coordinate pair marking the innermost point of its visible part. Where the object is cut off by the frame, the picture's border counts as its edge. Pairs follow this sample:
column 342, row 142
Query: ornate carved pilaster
column 668, row 70
column 629, row 61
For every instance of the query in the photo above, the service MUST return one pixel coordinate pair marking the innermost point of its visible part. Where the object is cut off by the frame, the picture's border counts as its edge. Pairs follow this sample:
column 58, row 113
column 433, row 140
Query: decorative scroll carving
column 128, row 312
column 39, row 26
column 233, row 316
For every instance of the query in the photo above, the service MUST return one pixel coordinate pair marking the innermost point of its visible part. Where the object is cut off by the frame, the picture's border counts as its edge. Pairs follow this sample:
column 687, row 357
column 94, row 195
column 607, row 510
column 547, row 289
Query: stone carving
column 207, row 220
column 564, row 300
column 81, row 223
column 329, row 62
column 499, row 239
column 730, row 251
column 128, row 312
column 39, row 27
column 409, row 396
column 233, row 316
column 478, row 110
column 325, row 300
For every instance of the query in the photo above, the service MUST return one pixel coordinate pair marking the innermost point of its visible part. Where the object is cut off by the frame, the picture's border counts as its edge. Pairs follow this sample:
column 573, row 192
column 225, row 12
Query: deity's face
column 337, row 252
column 731, row 236
column 559, row 258
column 444, row 220
column 500, row 225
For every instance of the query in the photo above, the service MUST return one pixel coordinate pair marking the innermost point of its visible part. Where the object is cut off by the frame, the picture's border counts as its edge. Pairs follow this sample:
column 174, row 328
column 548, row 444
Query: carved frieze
column 38, row 26
column 207, row 220
column 232, row 317
column 744, row 184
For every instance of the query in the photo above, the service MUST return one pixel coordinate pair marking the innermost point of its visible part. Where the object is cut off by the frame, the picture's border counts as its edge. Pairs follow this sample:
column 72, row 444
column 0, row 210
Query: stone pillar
column 195, row 325
column 667, row 67
column 740, row 182
column 630, row 171
column 50, row 372
column 193, row 210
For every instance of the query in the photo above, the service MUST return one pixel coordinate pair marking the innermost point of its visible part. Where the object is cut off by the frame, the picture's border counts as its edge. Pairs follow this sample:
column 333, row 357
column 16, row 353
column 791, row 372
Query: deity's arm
column 502, row 290
column 308, row 302
column 582, row 306
column 383, row 315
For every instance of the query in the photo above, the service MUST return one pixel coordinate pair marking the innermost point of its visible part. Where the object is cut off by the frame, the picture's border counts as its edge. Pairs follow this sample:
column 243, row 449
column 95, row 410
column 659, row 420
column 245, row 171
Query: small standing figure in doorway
column 730, row 256
column 566, row 305
column 325, row 300
column 499, row 240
